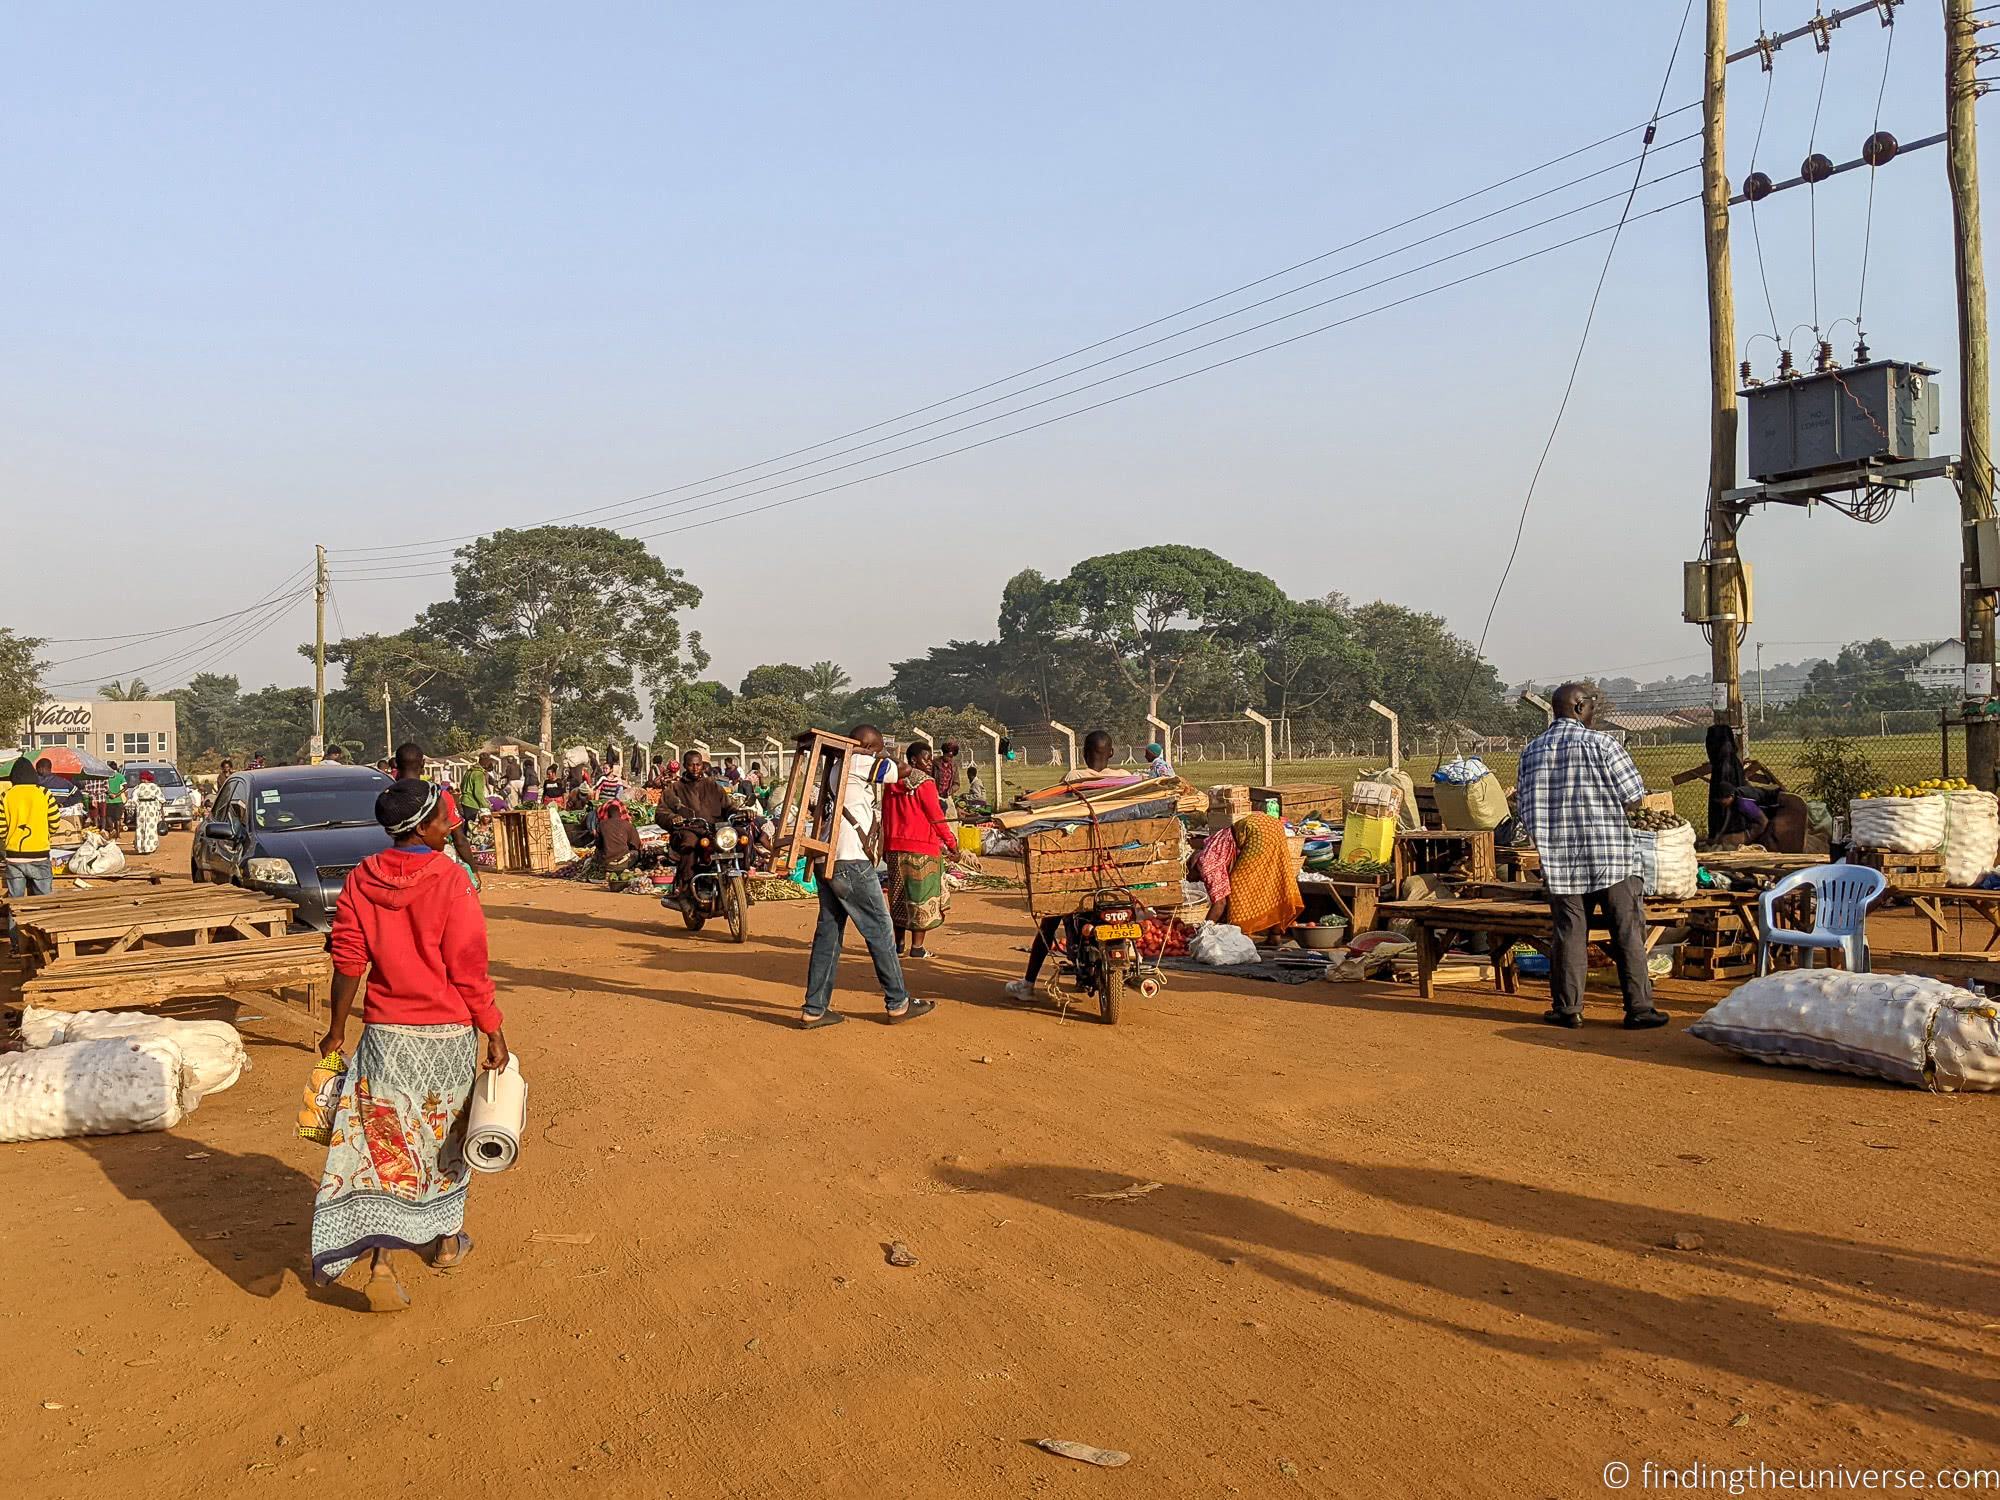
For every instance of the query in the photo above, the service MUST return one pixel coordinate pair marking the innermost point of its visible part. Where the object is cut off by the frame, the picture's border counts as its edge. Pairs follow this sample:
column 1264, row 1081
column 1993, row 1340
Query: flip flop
column 911, row 1011
column 464, row 1249
column 826, row 1018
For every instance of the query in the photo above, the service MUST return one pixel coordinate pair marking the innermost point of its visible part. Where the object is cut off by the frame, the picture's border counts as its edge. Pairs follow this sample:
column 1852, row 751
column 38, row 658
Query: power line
column 1109, row 400
column 405, row 547
column 1868, row 220
column 1582, row 343
column 141, row 637
column 227, row 632
column 1812, row 187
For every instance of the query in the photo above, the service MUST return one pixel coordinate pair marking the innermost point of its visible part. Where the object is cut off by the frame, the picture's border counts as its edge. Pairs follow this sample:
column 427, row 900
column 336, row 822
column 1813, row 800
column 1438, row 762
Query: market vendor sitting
column 617, row 838
column 695, row 794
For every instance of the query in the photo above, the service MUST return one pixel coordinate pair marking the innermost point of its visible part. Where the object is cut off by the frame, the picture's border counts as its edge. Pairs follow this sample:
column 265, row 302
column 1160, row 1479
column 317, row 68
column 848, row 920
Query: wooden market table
column 1356, row 897
column 1962, row 968
column 1931, row 902
column 1758, row 864
column 1524, row 920
column 1473, row 847
column 103, row 947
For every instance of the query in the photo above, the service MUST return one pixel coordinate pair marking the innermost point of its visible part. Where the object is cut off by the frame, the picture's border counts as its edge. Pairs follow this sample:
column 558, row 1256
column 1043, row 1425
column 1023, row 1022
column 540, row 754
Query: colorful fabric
column 1263, row 885
column 918, row 899
column 1217, row 855
column 1573, row 787
column 395, row 1175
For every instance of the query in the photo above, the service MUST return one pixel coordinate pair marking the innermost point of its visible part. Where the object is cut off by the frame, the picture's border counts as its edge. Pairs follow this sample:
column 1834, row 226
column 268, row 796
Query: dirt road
column 1396, row 1248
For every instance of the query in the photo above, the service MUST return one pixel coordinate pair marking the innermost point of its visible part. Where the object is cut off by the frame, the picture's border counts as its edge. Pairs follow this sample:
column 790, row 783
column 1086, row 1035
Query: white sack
column 1900, row 825
column 212, row 1051
column 1667, row 861
column 1971, row 835
column 1903, row 1027
column 93, row 1088
column 1219, row 943
column 96, row 855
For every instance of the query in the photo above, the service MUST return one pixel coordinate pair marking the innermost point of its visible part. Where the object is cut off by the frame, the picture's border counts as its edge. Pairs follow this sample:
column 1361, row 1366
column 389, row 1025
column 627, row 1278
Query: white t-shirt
column 864, row 773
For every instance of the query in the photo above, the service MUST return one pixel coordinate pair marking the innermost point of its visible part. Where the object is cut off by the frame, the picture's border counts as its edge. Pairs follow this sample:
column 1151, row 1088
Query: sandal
column 810, row 1022
column 464, row 1243
column 911, row 1011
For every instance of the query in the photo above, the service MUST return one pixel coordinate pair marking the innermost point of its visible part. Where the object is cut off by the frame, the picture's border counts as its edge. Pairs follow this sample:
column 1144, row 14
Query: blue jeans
column 28, row 877
column 851, row 889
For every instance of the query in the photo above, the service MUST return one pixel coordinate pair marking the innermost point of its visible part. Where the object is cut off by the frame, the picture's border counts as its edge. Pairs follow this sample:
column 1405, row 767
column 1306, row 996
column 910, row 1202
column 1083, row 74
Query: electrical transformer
column 1884, row 410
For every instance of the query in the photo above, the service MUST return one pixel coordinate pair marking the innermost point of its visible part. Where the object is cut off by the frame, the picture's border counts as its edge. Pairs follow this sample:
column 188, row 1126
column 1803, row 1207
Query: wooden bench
column 1968, row 969
column 102, row 981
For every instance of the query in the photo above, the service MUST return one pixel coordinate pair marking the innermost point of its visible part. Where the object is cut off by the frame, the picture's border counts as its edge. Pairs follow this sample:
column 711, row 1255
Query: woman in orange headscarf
column 1263, row 883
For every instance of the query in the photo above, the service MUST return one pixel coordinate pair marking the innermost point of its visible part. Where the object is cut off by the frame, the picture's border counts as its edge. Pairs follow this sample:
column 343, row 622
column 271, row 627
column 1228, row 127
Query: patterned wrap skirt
column 396, row 1175
column 918, row 897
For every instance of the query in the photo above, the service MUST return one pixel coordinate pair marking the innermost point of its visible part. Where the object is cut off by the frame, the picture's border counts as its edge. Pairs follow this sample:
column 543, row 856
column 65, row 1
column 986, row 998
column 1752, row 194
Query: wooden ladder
column 809, row 823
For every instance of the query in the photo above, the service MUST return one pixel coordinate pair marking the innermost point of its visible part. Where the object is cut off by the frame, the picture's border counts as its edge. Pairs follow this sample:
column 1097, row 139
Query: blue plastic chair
column 1842, row 895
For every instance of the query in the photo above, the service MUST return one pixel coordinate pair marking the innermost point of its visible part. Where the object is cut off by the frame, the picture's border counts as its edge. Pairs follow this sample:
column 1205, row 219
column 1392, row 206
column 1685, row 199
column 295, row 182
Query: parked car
column 292, row 831
column 180, row 803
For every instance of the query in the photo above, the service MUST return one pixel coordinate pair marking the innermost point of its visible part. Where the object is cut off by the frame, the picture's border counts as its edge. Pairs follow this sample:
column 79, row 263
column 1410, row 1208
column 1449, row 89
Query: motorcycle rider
column 694, row 794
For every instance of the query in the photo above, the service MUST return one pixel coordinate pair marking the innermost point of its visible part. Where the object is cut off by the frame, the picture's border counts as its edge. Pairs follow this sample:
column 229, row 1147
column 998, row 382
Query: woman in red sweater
column 917, row 838
column 396, row 1175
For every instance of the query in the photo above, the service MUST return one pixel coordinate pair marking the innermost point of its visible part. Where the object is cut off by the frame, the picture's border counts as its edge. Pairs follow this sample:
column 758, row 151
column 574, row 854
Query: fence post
column 999, row 796
column 1944, row 742
column 1068, row 734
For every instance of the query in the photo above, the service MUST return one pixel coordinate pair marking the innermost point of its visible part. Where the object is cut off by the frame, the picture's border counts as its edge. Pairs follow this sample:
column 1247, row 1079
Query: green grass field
column 1899, row 757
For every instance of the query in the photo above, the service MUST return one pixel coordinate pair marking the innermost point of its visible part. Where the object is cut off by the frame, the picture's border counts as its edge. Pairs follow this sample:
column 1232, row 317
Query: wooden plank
column 1086, row 836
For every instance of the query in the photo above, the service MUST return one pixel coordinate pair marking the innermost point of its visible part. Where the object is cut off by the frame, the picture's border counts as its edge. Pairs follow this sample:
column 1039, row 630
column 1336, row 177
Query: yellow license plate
column 1118, row 930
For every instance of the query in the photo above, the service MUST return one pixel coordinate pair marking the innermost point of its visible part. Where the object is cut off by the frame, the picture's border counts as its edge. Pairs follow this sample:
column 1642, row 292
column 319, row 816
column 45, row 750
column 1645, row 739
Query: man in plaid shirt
column 1573, row 791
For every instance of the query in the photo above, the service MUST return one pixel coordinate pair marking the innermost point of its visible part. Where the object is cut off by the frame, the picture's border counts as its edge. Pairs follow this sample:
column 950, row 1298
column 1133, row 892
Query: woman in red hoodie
column 917, row 837
column 396, row 1175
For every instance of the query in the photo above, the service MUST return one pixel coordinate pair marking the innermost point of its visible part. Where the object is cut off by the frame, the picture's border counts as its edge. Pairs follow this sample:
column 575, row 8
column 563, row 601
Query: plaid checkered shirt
column 1572, row 791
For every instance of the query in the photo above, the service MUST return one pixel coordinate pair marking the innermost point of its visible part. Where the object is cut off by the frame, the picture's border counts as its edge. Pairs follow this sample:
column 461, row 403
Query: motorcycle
column 1103, row 950
column 719, row 885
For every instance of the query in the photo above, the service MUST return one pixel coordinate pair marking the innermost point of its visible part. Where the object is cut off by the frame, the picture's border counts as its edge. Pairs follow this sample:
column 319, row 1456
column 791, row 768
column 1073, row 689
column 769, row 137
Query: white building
column 108, row 729
column 1942, row 668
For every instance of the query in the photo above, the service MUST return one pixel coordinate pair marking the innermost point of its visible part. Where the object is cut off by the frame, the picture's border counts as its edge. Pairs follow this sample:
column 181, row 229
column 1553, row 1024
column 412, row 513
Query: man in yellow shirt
column 29, row 813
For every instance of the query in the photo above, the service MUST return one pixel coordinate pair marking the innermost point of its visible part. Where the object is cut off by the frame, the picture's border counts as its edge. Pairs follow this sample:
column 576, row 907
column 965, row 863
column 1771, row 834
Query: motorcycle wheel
column 691, row 913
column 736, row 907
column 1111, row 993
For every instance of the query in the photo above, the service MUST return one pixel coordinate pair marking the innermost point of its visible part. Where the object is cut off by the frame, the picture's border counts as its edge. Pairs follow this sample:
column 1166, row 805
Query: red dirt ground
column 1398, row 1248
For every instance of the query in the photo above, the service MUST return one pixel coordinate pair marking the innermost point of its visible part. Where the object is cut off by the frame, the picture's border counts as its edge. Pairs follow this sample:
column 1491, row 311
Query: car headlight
column 272, row 872
column 725, row 838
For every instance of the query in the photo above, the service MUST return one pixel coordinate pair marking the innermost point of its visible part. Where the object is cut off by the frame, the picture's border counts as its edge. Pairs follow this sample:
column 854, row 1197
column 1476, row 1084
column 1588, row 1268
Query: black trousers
column 1624, row 909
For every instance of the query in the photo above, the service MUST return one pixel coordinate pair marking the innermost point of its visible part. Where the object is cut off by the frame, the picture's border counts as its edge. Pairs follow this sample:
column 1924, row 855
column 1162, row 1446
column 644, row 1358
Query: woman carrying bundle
column 396, row 1175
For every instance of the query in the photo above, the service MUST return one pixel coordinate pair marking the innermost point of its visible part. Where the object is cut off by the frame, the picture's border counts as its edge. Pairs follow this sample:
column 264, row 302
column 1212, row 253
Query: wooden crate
column 1226, row 804
column 1066, row 865
column 1711, row 963
column 1904, row 869
column 523, row 842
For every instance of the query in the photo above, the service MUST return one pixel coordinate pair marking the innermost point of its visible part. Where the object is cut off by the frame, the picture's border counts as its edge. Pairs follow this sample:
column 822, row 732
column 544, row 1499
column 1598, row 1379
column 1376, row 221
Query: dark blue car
column 292, row 831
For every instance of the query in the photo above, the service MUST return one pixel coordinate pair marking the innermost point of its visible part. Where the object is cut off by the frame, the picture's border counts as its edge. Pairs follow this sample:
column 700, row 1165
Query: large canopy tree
column 1153, row 609
column 20, row 681
column 571, row 617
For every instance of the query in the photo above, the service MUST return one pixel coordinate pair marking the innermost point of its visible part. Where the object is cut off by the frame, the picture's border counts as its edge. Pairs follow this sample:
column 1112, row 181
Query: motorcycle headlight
column 272, row 872
column 725, row 838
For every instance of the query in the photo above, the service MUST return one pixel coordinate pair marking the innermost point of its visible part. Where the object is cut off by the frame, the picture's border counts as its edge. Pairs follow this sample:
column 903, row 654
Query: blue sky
column 372, row 274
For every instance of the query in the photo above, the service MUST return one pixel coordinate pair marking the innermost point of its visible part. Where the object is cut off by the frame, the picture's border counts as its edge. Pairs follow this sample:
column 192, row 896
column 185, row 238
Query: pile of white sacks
column 111, row 1072
column 1965, row 825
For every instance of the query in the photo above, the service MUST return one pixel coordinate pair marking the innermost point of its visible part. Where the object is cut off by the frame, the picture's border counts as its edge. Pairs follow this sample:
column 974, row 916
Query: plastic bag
column 96, row 855
column 1220, row 944
column 322, row 1099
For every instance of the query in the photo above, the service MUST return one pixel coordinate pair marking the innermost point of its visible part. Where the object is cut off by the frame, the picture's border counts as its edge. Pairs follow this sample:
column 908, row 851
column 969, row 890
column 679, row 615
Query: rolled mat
column 498, row 1115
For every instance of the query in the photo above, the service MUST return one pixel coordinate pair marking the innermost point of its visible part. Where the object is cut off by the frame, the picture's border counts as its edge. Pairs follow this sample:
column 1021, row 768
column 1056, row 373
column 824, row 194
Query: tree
column 1425, row 673
column 422, row 678
column 828, row 681
column 207, row 713
column 1308, row 658
column 571, row 615
column 690, row 710
column 778, row 680
column 1150, row 610
column 20, row 680
column 134, row 691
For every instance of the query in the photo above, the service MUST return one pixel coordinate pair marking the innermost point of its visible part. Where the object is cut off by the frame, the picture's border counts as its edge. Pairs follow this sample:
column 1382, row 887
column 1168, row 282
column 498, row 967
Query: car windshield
column 164, row 776
column 316, row 804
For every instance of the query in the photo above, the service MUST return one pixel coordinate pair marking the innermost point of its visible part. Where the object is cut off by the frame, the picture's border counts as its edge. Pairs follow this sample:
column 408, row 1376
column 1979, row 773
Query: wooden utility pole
column 388, row 728
column 1725, row 670
column 319, row 656
column 1975, row 483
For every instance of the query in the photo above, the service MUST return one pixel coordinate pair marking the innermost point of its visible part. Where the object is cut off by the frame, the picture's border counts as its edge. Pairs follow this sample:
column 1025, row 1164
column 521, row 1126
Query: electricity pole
column 1725, row 669
column 388, row 729
column 1975, row 485
column 319, row 656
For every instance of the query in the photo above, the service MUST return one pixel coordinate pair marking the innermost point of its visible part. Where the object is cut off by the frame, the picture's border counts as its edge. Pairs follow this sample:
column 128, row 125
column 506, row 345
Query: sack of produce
column 1971, row 835
column 1479, row 803
column 1407, row 815
column 1903, row 1027
column 97, row 855
column 92, row 1088
column 1667, row 861
column 1898, row 824
column 212, row 1051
